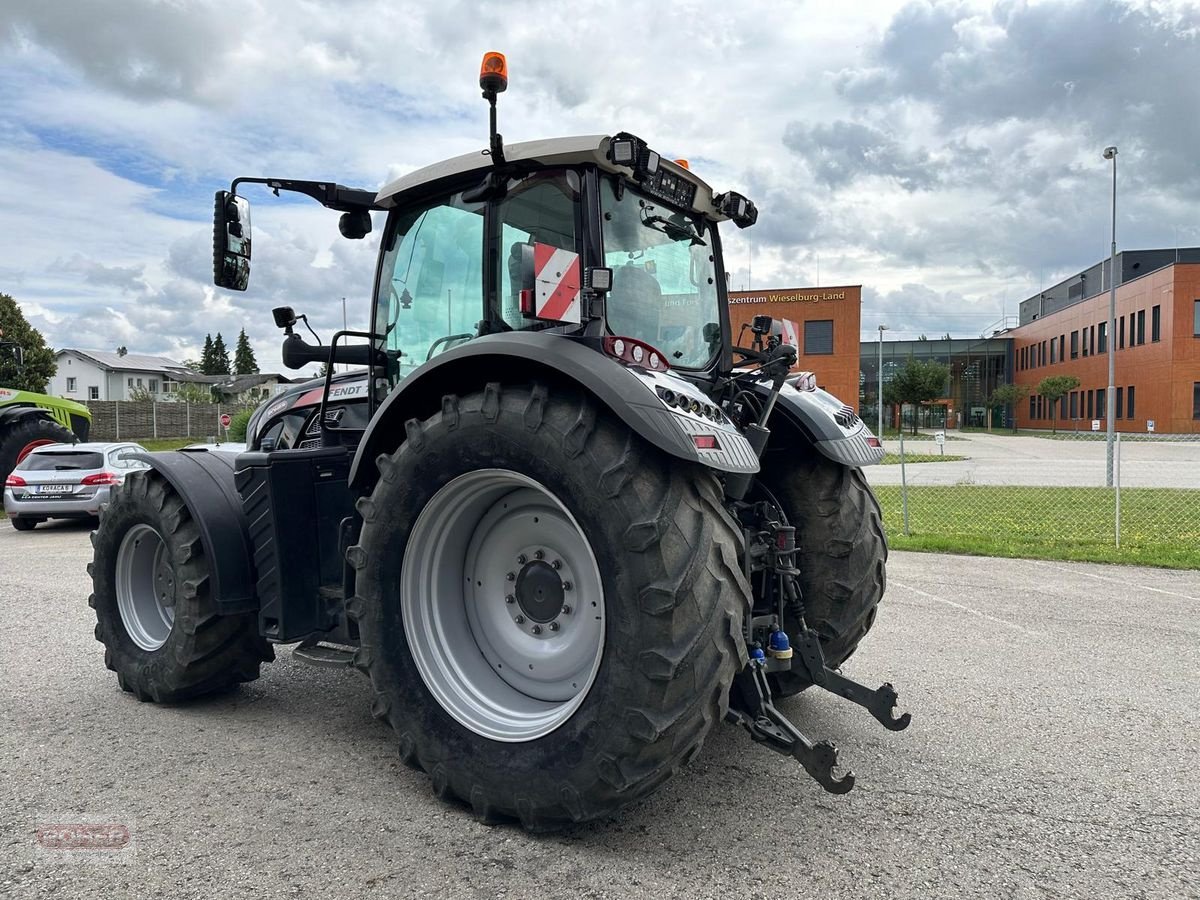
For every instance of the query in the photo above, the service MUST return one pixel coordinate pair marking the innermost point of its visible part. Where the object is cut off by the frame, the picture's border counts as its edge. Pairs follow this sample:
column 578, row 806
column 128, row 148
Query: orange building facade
column 822, row 323
column 1157, row 351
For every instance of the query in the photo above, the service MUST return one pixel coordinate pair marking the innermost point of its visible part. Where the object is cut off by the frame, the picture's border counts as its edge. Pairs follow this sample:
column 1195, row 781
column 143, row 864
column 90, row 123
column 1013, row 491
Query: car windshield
column 62, row 460
column 664, row 288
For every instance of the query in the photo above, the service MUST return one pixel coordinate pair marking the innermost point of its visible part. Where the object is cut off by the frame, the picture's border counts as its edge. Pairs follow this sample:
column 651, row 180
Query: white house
column 104, row 375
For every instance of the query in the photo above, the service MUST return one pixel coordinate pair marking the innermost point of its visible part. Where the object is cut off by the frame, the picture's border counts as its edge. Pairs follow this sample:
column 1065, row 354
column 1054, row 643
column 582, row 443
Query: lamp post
column 1111, row 395
column 879, row 374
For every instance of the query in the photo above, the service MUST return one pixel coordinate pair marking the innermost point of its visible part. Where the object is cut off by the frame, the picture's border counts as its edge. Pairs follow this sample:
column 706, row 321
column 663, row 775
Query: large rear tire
column 842, row 552
column 17, row 440
column 605, row 700
column 155, row 613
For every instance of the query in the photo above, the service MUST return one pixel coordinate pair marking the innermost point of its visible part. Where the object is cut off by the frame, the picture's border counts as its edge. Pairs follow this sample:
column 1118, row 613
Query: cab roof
column 564, row 151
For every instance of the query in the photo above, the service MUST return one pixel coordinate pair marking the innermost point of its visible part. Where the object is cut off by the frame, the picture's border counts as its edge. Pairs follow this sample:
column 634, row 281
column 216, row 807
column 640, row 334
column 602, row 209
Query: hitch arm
column 880, row 702
column 751, row 707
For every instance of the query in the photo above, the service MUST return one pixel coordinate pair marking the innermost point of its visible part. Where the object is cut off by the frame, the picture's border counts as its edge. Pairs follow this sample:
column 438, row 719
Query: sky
column 946, row 156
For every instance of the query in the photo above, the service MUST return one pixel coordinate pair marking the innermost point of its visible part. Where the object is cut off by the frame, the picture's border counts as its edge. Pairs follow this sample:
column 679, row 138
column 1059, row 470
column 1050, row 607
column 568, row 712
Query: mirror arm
column 332, row 196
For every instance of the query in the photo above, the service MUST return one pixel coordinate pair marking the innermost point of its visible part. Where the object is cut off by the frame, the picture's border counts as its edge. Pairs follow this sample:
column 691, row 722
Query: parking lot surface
column 1054, row 753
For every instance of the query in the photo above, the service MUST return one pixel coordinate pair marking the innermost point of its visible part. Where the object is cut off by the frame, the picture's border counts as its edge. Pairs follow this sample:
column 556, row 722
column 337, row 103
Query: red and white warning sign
column 557, row 283
column 225, row 420
column 789, row 333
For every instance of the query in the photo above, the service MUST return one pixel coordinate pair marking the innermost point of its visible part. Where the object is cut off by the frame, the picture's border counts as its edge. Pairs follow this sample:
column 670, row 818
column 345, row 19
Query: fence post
column 903, row 479
column 187, row 417
column 1117, row 486
column 154, row 418
column 117, row 409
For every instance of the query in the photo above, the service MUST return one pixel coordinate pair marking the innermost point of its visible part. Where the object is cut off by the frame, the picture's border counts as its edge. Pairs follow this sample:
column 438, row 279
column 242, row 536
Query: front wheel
column 155, row 613
column 550, row 610
column 19, row 440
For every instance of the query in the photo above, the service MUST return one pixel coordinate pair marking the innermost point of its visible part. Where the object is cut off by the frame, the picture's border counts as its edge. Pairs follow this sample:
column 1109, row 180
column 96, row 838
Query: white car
column 67, row 481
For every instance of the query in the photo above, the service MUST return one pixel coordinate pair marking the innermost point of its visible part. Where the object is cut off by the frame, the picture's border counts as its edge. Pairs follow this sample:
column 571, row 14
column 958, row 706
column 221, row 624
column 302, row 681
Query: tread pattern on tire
column 842, row 552
column 14, row 438
column 206, row 652
column 685, row 619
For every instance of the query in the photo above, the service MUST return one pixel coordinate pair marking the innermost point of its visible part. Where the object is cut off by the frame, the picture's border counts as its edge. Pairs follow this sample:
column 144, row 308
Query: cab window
column 431, row 284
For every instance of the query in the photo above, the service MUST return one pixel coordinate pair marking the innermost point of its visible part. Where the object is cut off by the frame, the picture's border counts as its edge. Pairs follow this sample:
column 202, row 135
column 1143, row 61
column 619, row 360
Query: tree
column 194, row 365
column 918, row 382
column 37, row 366
column 220, row 357
column 1008, row 395
column 190, row 392
column 206, row 356
column 244, row 362
column 1054, row 388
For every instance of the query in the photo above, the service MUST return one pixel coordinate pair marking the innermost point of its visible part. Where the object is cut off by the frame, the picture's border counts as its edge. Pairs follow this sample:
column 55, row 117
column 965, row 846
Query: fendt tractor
column 560, row 515
column 29, row 420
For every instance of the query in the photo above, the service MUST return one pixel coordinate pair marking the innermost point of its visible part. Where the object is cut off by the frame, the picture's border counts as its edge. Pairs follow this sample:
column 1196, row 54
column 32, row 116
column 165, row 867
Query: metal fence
column 1044, row 495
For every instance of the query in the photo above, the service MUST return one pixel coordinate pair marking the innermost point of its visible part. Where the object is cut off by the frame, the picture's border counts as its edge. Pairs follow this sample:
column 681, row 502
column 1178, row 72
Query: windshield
column 61, row 461
column 664, row 277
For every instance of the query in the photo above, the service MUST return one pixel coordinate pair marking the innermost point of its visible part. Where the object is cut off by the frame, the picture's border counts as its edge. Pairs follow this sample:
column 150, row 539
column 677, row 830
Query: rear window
column 64, row 461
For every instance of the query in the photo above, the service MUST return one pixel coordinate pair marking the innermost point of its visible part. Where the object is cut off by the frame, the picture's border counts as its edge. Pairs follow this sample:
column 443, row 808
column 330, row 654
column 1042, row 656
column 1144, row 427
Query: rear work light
column 14, row 481
column 705, row 442
column 874, row 442
column 101, row 478
column 635, row 353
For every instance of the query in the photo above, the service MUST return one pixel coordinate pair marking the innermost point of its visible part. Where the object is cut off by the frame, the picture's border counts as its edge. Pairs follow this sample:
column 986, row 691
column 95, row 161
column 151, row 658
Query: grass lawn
column 893, row 459
column 1159, row 526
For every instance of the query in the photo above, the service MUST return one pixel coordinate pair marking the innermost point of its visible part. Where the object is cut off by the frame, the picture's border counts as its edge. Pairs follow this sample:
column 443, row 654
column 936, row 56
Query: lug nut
column 522, row 558
column 539, row 554
column 566, row 610
column 557, row 564
column 553, row 626
column 536, row 629
column 509, row 598
column 566, row 585
column 520, row 620
column 510, row 577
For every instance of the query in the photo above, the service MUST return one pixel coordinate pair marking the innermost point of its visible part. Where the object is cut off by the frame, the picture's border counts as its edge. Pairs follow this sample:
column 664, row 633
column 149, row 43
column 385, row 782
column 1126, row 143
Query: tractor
column 562, row 518
column 29, row 420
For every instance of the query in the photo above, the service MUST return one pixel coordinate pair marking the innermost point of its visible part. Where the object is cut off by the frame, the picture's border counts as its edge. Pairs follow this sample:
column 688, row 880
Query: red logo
column 81, row 836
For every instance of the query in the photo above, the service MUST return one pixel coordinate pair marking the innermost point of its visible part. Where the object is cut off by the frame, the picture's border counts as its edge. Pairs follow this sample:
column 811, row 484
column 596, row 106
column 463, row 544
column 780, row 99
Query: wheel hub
column 539, row 591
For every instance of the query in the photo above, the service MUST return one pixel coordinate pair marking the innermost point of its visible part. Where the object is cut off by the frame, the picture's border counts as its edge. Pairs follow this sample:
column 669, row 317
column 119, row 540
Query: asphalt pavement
column 1055, row 752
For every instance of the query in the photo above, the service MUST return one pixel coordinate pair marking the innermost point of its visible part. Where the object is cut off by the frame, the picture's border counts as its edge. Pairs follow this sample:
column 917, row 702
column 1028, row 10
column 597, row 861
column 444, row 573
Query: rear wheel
column 550, row 610
column 20, row 439
column 155, row 613
column 842, row 552
column 21, row 523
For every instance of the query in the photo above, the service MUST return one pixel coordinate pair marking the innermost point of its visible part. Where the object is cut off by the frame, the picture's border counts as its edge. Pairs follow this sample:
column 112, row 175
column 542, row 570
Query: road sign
column 225, row 420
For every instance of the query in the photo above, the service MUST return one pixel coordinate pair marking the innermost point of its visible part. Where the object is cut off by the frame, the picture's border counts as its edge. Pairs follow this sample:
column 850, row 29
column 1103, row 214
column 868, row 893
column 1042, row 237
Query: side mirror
column 231, row 241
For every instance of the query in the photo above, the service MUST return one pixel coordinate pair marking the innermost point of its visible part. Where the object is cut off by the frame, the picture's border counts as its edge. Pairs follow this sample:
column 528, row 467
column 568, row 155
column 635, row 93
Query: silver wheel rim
column 145, row 587
column 487, row 562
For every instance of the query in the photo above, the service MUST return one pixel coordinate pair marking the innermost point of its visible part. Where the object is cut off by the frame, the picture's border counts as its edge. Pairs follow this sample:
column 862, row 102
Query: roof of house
column 131, row 362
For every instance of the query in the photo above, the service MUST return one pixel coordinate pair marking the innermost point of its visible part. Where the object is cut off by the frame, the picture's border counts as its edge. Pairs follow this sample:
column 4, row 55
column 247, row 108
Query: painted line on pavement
column 892, row 582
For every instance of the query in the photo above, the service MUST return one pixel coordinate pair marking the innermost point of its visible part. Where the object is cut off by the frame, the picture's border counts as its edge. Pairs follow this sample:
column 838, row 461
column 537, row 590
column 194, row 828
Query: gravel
column 1053, row 752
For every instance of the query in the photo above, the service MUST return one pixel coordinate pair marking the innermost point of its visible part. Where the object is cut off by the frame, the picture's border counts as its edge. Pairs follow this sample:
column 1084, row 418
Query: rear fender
column 204, row 480
column 825, row 422
column 514, row 357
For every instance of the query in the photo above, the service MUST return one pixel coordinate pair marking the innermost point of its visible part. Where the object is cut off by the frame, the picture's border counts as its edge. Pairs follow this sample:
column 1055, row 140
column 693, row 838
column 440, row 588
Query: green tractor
column 29, row 420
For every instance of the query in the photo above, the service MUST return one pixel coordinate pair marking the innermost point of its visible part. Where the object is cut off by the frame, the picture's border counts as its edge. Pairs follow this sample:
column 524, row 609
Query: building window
column 1053, row 351
column 1120, row 402
column 154, row 385
column 1033, row 407
column 1196, row 398
column 1156, row 324
column 1141, row 327
column 131, row 382
column 1129, row 411
column 1043, row 357
column 1121, row 333
column 1091, row 409
column 93, row 392
column 71, row 385
column 1101, row 409
column 818, row 337
column 1074, row 345
column 1102, row 347
column 1196, row 318
column 1062, row 347
column 1074, row 404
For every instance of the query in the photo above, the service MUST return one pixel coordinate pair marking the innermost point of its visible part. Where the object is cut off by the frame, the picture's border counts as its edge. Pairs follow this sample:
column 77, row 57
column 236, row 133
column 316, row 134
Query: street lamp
column 879, row 373
column 1111, row 395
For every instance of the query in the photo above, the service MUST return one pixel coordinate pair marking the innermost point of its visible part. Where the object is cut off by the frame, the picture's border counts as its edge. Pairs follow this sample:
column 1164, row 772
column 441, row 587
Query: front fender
column 830, row 425
column 629, row 394
column 204, row 480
